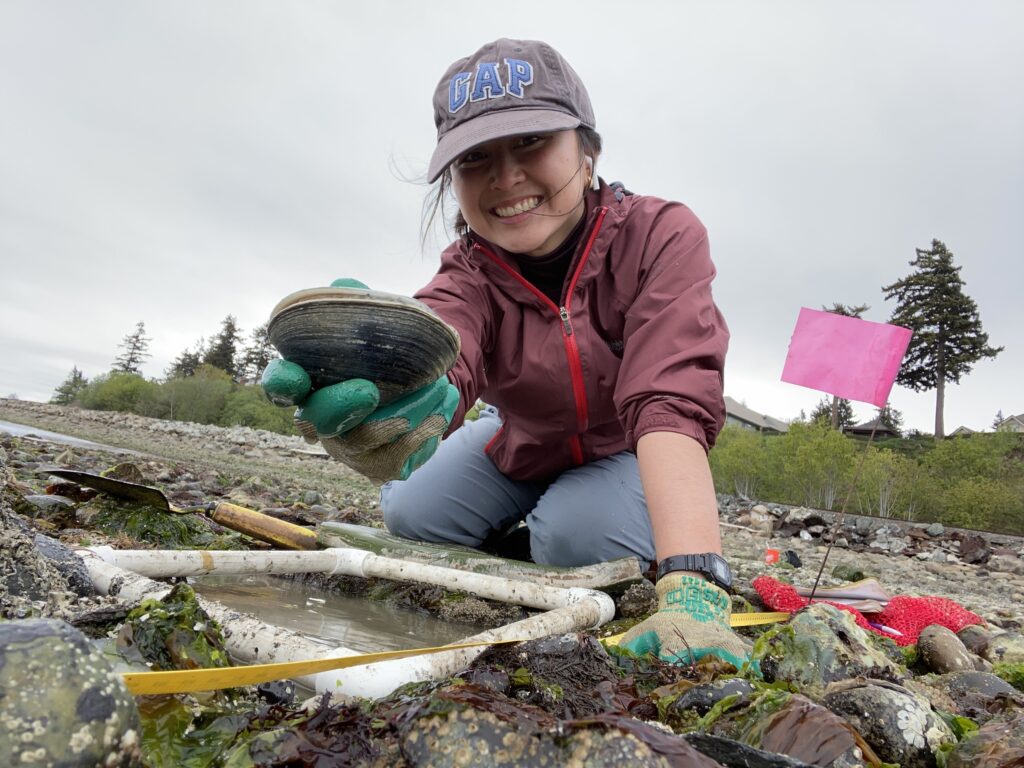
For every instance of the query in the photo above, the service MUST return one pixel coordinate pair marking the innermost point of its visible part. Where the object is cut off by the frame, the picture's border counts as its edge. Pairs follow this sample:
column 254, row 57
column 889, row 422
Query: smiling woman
column 586, row 323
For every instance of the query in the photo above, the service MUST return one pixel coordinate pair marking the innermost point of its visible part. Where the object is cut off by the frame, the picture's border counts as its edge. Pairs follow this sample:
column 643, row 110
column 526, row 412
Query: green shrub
column 981, row 503
column 199, row 398
column 813, row 465
column 120, row 392
column 739, row 461
column 247, row 406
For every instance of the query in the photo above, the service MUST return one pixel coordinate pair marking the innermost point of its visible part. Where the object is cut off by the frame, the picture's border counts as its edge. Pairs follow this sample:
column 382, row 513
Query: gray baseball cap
column 507, row 88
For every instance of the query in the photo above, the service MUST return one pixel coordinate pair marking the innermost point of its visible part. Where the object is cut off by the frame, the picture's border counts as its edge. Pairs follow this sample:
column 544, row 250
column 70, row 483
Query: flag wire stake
column 842, row 512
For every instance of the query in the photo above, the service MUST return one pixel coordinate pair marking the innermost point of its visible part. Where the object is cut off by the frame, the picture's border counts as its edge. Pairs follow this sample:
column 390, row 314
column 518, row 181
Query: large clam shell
column 336, row 334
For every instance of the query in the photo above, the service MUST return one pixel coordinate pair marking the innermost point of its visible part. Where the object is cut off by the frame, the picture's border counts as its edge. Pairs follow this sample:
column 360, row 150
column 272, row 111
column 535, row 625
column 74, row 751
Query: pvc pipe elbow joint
column 605, row 605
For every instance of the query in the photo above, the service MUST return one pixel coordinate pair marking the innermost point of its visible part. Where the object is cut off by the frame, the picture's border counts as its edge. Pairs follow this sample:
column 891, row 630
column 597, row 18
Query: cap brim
column 494, row 125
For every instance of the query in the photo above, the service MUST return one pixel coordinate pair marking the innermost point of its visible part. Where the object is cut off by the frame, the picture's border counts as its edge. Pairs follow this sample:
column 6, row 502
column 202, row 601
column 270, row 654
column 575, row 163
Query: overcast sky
column 178, row 162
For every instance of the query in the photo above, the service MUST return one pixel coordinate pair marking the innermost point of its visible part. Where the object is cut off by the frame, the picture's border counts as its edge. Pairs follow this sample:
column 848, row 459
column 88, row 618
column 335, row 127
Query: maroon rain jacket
column 636, row 346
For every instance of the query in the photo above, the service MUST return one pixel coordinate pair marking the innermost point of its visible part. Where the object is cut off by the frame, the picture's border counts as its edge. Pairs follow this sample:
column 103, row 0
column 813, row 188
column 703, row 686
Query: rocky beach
column 827, row 693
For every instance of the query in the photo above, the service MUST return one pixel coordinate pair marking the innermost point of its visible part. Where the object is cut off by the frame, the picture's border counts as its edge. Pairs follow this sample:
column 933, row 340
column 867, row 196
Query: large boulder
column 821, row 645
column 61, row 703
column 898, row 724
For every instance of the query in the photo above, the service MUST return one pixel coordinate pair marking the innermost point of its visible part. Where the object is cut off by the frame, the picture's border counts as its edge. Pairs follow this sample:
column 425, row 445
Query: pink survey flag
column 845, row 356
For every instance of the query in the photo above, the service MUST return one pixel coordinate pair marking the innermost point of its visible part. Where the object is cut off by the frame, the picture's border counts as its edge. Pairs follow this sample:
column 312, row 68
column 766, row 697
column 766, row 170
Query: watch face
column 721, row 572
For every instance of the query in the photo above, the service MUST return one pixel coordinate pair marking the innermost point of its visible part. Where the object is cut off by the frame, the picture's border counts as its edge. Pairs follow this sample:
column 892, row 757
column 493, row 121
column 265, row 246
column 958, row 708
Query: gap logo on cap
column 487, row 82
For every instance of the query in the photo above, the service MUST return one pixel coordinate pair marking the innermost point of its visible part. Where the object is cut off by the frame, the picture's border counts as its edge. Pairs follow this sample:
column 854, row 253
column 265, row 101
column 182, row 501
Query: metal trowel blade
column 121, row 489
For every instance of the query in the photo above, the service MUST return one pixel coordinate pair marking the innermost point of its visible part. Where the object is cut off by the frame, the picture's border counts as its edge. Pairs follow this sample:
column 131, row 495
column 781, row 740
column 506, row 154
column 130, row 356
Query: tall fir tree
column 187, row 362
column 256, row 355
column 890, row 418
column 136, row 350
column 948, row 338
column 835, row 418
column 66, row 393
column 826, row 407
column 224, row 347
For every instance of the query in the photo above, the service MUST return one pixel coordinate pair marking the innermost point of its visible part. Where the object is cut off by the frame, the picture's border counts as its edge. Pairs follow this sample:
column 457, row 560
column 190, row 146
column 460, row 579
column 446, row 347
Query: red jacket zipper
column 572, row 350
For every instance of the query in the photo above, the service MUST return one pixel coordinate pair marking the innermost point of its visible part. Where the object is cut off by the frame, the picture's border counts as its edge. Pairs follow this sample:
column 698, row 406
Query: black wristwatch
column 710, row 565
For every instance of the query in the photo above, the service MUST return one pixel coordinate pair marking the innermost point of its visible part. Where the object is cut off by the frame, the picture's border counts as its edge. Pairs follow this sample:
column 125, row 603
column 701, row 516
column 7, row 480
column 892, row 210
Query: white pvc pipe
column 162, row 563
column 355, row 562
column 246, row 637
column 377, row 680
column 567, row 610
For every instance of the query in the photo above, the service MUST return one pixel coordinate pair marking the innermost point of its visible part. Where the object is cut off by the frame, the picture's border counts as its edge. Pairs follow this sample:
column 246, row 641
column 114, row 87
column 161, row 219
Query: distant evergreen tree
column 998, row 420
column 66, row 393
column 256, row 356
column 224, row 347
column 890, row 418
column 187, row 362
column 948, row 338
column 835, row 417
column 826, row 407
column 136, row 350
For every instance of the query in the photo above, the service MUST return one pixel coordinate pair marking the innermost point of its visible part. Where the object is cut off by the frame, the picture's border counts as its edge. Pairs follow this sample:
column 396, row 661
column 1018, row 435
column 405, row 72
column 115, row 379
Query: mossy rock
column 61, row 703
column 163, row 530
column 818, row 646
column 173, row 633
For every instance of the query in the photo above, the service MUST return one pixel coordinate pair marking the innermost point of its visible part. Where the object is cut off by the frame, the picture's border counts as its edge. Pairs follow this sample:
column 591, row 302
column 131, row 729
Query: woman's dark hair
column 434, row 204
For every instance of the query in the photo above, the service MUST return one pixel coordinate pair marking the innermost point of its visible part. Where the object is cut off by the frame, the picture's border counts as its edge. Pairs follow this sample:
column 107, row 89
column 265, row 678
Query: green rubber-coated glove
column 393, row 440
column 692, row 621
column 383, row 444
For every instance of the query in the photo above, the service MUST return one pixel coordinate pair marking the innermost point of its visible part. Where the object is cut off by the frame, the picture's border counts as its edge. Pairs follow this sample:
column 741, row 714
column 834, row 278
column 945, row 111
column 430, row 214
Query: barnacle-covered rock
column 30, row 584
column 67, row 563
column 818, row 646
column 898, row 724
column 335, row 334
column 60, row 701
column 464, row 725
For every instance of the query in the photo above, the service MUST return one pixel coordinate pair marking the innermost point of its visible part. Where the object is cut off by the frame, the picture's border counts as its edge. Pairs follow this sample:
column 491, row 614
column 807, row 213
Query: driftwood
column 613, row 577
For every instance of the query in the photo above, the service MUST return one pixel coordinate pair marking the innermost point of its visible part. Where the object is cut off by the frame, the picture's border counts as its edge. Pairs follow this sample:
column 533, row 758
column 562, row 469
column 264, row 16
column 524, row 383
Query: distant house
column 961, row 432
column 1011, row 424
column 864, row 430
column 739, row 415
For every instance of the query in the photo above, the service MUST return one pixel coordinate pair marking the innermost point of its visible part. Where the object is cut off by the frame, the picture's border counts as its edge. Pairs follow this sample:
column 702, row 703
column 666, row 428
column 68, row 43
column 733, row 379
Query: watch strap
column 697, row 563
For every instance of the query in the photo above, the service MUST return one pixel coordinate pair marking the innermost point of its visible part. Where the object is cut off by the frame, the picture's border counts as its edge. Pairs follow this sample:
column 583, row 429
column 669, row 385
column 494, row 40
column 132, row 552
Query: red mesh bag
column 910, row 615
column 907, row 615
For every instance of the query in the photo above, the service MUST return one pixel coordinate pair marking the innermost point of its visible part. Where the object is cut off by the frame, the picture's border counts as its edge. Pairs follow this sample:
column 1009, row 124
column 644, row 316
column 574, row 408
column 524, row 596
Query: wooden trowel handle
column 264, row 527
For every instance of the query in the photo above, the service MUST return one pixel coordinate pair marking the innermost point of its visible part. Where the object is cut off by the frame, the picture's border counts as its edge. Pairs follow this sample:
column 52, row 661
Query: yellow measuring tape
column 736, row 620
column 212, row 679
column 189, row 680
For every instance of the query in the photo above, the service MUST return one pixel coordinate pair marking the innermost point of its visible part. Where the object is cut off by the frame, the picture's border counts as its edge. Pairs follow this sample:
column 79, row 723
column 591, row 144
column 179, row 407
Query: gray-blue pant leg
column 458, row 495
column 593, row 513
column 589, row 514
